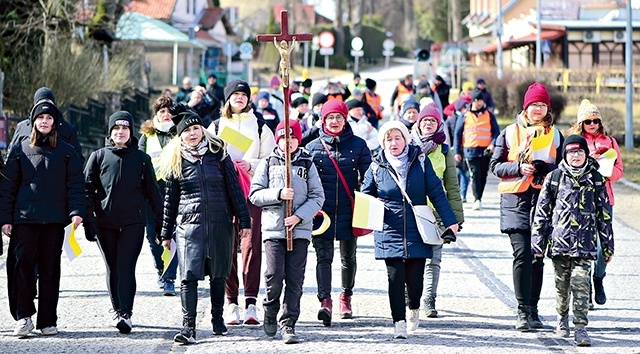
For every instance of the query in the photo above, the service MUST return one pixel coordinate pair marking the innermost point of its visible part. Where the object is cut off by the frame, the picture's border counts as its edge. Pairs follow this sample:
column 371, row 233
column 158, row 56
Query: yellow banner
column 368, row 212
column 71, row 247
column 235, row 138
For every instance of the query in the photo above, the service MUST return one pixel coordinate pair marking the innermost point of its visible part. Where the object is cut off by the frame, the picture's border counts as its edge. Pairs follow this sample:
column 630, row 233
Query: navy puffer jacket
column 354, row 158
column 399, row 237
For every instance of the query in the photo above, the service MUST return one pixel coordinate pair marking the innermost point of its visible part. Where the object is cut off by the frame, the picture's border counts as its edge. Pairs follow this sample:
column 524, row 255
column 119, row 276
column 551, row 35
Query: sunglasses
column 591, row 121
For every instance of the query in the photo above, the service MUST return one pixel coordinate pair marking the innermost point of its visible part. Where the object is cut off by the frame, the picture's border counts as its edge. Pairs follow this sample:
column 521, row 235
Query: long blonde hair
column 171, row 157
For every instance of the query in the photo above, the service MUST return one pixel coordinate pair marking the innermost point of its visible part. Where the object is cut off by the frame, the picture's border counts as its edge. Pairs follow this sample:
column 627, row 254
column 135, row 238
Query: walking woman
column 521, row 171
column 428, row 134
column 402, row 168
column 589, row 125
column 337, row 145
column 237, row 114
column 203, row 196
column 120, row 180
column 41, row 192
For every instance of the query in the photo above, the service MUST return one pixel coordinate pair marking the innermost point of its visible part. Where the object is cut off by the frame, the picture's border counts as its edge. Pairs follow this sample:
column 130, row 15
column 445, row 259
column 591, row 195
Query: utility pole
column 539, row 37
column 499, row 36
column 629, row 87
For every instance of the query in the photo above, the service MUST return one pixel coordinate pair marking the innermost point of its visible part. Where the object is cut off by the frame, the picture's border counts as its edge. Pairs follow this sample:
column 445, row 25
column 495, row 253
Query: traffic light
column 422, row 54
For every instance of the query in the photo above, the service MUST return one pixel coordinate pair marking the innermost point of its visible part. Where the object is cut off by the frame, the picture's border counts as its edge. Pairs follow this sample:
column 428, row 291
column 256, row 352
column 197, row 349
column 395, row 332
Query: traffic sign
column 245, row 56
column 326, row 51
column 246, row 48
column 388, row 44
column 326, row 39
column 315, row 43
column 357, row 53
column 229, row 49
column 387, row 53
column 357, row 44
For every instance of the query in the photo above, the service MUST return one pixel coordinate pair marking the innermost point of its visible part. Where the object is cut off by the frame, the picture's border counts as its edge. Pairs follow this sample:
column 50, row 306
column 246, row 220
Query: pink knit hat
column 537, row 92
column 275, row 81
column 430, row 110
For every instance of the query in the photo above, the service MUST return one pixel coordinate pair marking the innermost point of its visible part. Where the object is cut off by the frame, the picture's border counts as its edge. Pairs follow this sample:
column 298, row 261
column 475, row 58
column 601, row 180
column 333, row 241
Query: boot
column 430, row 307
column 522, row 323
column 534, row 319
column 188, row 333
column 325, row 311
column 598, row 288
column 345, row 306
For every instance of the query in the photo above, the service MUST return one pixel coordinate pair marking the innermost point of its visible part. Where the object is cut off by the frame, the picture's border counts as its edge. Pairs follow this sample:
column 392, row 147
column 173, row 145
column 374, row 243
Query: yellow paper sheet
column 606, row 162
column 235, row 138
column 71, row 247
column 541, row 145
column 368, row 212
column 167, row 256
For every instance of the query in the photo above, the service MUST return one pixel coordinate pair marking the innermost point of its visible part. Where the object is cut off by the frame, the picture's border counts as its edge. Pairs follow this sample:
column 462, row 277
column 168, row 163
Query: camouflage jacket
column 569, row 222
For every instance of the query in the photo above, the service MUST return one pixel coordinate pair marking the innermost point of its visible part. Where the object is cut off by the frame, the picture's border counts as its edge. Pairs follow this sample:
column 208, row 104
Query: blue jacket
column 354, row 159
column 399, row 237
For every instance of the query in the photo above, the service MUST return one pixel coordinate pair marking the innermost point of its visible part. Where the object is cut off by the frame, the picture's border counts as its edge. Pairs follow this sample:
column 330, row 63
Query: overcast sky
column 326, row 8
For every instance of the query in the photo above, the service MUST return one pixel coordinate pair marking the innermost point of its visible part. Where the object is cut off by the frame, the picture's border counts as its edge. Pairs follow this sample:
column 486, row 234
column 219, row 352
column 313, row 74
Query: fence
column 592, row 80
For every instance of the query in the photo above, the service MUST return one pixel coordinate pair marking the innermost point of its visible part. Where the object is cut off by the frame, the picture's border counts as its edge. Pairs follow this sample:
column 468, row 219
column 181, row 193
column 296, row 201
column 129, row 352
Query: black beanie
column 44, row 93
column 47, row 107
column 298, row 101
column 307, row 83
column 122, row 118
column 477, row 94
column 186, row 119
column 351, row 104
column 235, row 86
column 370, row 84
column 573, row 142
column 318, row 98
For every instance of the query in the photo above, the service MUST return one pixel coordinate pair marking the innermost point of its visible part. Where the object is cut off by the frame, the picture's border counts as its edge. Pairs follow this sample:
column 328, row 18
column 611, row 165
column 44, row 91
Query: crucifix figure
column 285, row 49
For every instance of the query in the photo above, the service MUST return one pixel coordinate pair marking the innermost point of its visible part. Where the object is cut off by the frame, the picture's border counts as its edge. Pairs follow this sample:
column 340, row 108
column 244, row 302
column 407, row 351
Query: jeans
column 34, row 245
column 156, row 251
column 527, row 272
column 284, row 269
column 463, row 180
column 251, row 261
column 324, row 255
column 120, row 249
column 401, row 272
column 479, row 167
column 600, row 269
column 432, row 273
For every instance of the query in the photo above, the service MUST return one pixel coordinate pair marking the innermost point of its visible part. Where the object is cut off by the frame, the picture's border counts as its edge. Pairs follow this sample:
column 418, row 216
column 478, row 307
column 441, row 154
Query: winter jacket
column 41, row 185
column 599, row 144
column 458, row 141
column 353, row 158
column 570, row 222
column 363, row 129
column 399, row 237
column 308, row 196
column 247, row 124
column 184, row 94
column 147, row 128
column 200, row 206
column 270, row 116
column 65, row 130
column 516, row 209
column 488, row 100
column 118, row 183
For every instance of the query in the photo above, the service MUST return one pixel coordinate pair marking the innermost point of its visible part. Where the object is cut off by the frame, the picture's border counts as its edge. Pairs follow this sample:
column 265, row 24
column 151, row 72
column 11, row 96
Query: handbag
column 425, row 219
column 355, row 230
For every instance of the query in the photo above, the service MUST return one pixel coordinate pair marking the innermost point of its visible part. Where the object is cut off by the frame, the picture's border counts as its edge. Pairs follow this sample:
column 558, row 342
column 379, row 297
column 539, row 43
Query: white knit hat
column 394, row 124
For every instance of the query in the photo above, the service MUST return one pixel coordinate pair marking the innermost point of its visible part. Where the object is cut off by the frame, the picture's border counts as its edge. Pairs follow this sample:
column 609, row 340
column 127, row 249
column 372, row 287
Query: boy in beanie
column 573, row 211
column 263, row 106
column 307, row 196
column 409, row 113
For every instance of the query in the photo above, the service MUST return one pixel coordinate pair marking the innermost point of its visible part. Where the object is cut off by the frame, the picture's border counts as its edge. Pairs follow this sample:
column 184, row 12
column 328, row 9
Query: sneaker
column 522, row 323
column 581, row 337
column 251, row 315
column 414, row 320
column 160, row 282
column 430, row 307
column 219, row 329
column 49, row 331
column 345, row 306
column 186, row 336
column 477, row 205
column 400, row 331
column 24, row 327
column 169, row 288
column 270, row 326
column 289, row 335
column 324, row 314
column 233, row 315
column 534, row 319
column 464, row 199
column 562, row 329
column 124, row 324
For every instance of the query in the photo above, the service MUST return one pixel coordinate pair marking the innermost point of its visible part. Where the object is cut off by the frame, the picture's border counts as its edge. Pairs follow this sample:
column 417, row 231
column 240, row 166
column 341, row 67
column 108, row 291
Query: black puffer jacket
column 201, row 206
column 354, row 159
column 41, row 185
column 118, row 182
column 66, row 131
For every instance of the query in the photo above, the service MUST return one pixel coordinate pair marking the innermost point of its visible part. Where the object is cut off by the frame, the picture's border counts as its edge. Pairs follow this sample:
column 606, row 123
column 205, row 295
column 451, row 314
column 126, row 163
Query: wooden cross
column 284, row 37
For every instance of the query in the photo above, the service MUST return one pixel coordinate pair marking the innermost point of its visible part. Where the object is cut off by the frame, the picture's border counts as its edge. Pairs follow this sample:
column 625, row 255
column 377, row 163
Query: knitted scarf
column 399, row 164
column 428, row 143
column 525, row 150
column 194, row 154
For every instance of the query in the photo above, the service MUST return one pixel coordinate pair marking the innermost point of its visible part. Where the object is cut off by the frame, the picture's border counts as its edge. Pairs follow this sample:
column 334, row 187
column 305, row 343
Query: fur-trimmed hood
column 147, row 127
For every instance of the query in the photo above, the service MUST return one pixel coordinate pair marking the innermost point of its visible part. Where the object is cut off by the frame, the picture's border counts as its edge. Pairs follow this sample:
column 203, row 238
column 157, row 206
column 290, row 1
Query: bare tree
column 456, row 19
column 338, row 27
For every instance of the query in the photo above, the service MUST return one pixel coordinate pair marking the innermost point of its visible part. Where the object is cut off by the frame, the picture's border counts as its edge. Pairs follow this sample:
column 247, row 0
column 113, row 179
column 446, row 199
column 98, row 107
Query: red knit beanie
column 536, row 93
column 334, row 106
column 295, row 130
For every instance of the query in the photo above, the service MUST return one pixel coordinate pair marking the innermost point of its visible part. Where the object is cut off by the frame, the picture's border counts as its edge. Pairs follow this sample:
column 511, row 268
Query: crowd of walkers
column 187, row 186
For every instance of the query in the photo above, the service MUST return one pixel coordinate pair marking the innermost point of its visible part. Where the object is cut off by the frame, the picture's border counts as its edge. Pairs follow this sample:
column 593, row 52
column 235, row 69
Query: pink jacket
column 599, row 144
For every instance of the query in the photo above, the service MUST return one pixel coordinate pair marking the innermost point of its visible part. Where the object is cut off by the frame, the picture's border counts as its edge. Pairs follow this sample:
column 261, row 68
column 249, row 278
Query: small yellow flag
column 167, row 255
column 235, row 138
column 368, row 212
column 70, row 245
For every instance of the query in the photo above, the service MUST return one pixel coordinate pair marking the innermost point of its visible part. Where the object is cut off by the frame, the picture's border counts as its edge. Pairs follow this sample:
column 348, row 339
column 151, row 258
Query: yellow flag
column 542, row 145
column 368, row 212
column 607, row 161
column 235, row 138
column 167, row 255
column 71, row 247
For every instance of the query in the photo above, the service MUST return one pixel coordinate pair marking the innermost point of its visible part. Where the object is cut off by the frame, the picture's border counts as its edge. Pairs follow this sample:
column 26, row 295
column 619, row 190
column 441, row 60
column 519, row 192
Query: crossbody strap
column 404, row 193
column 335, row 164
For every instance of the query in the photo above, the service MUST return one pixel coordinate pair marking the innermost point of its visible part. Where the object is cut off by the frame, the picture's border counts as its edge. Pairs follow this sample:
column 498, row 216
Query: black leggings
column 120, row 250
column 400, row 272
column 527, row 274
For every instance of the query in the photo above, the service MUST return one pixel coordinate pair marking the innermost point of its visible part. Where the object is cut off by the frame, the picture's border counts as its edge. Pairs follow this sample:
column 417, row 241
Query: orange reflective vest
column 335, row 96
column 545, row 149
column 477, row 130
column 402, row 90
column 375, row 102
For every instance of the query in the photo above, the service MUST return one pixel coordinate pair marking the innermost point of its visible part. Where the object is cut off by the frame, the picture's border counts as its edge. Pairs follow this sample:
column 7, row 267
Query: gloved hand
column 541, row 168
column 448, row 236
column 91, row 231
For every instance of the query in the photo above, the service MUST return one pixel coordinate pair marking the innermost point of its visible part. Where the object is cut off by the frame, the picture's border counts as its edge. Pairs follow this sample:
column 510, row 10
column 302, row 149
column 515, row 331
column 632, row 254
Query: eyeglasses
column 430, row 120
column 591, row 121
column 338, row 118
column 538, row 105
column 577, row 152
